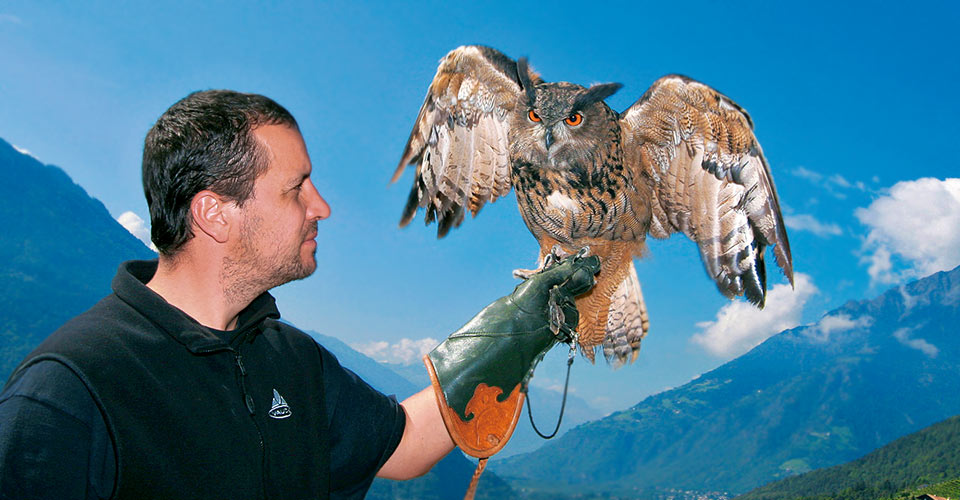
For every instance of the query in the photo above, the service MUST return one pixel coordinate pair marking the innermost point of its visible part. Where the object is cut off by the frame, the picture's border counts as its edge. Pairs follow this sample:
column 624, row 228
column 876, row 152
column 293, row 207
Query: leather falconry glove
column 480, row 373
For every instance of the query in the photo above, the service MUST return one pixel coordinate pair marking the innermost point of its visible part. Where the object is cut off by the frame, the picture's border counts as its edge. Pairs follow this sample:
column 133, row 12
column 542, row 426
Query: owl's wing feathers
column 709, row 179
column 459, row 141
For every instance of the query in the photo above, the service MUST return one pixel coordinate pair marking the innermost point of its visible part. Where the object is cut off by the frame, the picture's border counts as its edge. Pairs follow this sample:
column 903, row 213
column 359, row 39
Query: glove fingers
column 574, row 274
column 582, row 278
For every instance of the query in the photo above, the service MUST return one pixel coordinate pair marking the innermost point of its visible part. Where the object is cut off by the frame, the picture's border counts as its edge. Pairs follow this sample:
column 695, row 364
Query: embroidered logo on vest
column 279, row 408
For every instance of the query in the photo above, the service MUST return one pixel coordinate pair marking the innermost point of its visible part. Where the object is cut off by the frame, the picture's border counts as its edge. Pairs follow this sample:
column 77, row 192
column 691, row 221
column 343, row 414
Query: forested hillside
column 59, row 249
column 929, row 456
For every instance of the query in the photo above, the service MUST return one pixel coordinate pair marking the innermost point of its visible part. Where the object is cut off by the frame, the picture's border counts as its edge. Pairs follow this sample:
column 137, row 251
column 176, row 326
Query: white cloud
column 916, row 221
column 834, row 184
column 839, row 180
column 24, row 151
column 406, row 351
column 551, row 384
column 909, row 300
column 740, row 326
column 805, row 173
column 807, row 222
column 903, row 336
column 829, row 325
column 137, row 227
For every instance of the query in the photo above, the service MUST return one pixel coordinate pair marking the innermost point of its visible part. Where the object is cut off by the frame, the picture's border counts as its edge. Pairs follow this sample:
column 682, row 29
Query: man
column 183, row 383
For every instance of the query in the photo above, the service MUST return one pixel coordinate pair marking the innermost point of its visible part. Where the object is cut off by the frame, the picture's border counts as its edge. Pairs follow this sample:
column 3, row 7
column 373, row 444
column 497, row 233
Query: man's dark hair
column 204, row 141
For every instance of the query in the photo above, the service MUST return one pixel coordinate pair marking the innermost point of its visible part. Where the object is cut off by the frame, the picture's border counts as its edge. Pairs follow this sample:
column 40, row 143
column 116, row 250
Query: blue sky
column 853, row 103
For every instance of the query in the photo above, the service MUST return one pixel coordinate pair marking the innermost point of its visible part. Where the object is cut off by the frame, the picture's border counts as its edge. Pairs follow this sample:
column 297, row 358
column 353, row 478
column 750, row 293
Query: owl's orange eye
column 574, row 119
column 533, row 116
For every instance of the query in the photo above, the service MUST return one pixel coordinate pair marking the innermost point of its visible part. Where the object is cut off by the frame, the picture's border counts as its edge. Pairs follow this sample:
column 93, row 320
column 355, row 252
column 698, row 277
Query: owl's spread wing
column 459, row 141
column 696, row 149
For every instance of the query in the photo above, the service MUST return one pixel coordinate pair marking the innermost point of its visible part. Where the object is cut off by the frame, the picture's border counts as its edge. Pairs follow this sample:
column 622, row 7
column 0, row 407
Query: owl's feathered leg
column 550, row 251
column 613, row 314
column 627, row 322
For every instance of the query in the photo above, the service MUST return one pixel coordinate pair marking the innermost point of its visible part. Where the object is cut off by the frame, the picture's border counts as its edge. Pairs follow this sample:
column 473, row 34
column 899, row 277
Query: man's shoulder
column 287, row 331
column 107, row 315
column 301, row 340
column 92, row 331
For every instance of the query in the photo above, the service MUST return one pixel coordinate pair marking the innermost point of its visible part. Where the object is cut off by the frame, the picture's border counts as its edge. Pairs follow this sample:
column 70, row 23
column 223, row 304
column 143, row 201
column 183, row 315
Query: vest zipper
column 252, row 408
column 247, row 398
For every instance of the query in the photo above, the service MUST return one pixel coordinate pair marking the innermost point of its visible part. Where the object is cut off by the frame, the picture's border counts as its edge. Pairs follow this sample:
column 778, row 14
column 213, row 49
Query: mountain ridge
column 40, row 206
column 805, row 398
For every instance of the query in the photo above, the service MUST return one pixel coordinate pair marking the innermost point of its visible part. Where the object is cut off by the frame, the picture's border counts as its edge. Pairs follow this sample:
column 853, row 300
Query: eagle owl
column 682, row 158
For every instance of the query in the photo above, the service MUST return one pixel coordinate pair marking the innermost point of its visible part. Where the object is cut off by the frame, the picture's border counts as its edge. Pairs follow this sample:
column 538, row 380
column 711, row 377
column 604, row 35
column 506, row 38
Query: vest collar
column 130, row 286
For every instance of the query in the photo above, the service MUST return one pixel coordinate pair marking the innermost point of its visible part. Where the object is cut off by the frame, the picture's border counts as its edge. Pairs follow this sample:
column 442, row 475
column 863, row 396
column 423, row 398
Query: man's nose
column 317, row 207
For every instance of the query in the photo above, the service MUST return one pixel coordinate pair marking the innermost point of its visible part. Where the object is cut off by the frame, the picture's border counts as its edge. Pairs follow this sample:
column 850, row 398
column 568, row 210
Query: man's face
column 279, row 221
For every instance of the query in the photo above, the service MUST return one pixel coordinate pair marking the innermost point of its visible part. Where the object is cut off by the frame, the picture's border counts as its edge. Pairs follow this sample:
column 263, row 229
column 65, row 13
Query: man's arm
column 53, row 440
column 425, row 439
column 498, row 348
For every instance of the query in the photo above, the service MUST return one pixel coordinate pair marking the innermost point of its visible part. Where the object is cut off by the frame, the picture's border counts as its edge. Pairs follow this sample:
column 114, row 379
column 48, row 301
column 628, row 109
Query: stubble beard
column 251, row 272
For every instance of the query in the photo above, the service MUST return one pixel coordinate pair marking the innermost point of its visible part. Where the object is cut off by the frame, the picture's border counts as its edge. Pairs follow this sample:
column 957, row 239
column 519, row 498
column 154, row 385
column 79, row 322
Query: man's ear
column 212, row 214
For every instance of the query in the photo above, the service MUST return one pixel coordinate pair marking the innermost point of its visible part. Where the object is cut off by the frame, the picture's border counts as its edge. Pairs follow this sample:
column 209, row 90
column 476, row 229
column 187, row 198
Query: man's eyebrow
column 296, row 181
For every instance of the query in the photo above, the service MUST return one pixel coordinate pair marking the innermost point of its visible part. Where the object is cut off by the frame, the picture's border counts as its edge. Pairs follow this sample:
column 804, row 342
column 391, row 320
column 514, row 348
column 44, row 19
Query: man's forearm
column 425, row 439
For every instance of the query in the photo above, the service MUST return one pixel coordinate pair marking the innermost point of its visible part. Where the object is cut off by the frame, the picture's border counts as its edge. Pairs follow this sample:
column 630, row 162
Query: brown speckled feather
column 459, row 141
column 708, row 178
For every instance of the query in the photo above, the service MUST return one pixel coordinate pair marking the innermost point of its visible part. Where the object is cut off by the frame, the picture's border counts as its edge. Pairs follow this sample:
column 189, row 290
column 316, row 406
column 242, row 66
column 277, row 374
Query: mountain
column 374, row 373
column 810, row 397
column 931, row 455
column 59, row 249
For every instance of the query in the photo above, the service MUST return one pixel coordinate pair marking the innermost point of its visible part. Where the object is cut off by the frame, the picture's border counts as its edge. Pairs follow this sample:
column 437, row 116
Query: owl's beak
column 548, row 137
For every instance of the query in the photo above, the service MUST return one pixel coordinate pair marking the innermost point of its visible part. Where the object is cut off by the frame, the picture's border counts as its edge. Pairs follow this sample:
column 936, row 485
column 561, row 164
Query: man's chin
column 308, row 265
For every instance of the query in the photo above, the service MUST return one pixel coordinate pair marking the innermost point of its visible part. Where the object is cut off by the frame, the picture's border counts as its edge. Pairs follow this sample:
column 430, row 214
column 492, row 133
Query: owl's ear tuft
column 523, row 72
column 594, row 94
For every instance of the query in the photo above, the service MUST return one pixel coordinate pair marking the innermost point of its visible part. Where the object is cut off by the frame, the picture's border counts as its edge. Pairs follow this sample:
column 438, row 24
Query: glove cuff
column 492, row 421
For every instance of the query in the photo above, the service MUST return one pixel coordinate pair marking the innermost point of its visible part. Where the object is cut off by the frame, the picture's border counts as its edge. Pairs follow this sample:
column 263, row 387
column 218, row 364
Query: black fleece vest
column 190, row 415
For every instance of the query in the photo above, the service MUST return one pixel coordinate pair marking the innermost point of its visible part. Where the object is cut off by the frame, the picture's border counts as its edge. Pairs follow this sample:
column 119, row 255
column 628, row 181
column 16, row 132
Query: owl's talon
column 558, row 253
column 524, row 274
column 549, row 260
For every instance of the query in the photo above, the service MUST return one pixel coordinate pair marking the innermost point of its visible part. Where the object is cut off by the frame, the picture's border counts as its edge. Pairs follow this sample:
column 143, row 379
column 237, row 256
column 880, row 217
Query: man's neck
column 195, row 288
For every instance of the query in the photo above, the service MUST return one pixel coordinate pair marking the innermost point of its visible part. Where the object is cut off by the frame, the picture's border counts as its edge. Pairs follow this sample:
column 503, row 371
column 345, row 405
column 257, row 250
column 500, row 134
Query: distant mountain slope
column 59, row 249
column 931, row 455
column 376, row 374
column 811, row 397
